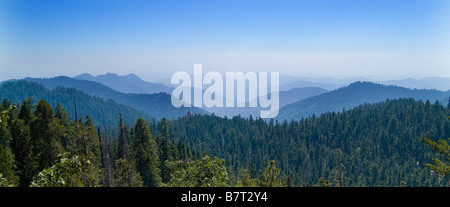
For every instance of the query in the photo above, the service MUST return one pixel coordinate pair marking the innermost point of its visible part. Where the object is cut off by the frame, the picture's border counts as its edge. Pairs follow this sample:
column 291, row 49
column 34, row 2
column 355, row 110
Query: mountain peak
column 359, row 84
column 130, row 83
column 110, row 75
column 133, row 76
column 84, row 76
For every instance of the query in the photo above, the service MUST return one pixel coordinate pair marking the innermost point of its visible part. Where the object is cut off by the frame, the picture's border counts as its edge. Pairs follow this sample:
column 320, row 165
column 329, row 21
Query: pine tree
column 125, row 174
column 443, row 148
column 6, row 157
column 46, row 132
column 25, row 112
column 84, row 141
column 93, row 142
column 146, row 154
column 65, row 120
column 21, row 148
column 106, row 161
column 164, row 150
column 269, row 176
column 124, row 148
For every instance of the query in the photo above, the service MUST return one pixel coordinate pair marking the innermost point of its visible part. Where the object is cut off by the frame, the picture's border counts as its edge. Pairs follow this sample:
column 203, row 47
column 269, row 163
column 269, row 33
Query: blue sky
column 326, row 38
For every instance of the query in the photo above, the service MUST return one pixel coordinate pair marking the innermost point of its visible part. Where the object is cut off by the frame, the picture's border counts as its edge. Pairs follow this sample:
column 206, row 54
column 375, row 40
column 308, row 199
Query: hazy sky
column 377, row 39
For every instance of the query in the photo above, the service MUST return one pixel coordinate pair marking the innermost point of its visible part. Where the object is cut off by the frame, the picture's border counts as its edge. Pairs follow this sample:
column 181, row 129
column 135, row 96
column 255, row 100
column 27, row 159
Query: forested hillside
column 285, row 98
column 370, row 145
column 156, row 105
column 103, row 113
column 42, row 147
column 353, row 95
column 380, row 143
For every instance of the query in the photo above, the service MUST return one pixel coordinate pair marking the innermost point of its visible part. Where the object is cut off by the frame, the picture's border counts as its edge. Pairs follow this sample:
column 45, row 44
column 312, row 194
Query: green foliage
column 83, row 140
column 25, row 110
column 6, row 156
column 5, row 183
column 165, row 153
column 102, row 110
column 22, row 149
column 124, row 147
column 5, row 114
column 354, row 95
column 206, row 172
column 442, row 148
column 378, row 141
column 269, row 176
column 5, row 136
column 156, row 105
column 37, row 143
column 323, row 183
column 46, row 131
column 126, row 175
column 145, row 152
column 6, row 165
column 65, row 173
column 247, row 181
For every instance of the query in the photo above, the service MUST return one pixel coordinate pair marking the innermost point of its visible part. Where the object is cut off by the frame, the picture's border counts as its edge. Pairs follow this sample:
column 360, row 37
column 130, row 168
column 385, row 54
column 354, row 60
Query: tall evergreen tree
column 65, row 120
column 93, row 142
column 164, row 150
column 21, row 147
column 125, row 174
column 106, row 161
column 25, row 112
column 124, row 148
column 46, row 133
column 146, row 154
column 6, row 157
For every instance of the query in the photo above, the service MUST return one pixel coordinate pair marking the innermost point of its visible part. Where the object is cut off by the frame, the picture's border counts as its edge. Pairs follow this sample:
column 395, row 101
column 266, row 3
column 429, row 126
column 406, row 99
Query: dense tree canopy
column 370, row 145
column 380, row 144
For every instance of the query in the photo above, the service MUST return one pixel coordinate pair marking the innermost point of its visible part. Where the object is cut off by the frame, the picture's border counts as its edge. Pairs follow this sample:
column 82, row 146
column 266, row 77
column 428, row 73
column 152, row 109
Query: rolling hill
column 437, row 83
column 285, row 98
column 130, row 83
column 156, row 105
column 353, row 95
column 103, row 113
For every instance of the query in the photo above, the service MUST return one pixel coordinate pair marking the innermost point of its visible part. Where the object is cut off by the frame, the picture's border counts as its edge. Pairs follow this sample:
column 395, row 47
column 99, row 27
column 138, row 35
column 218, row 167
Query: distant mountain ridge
column 438, row 83
column 103, row 113
column 293, row 104
column 304, row 84
column 156, row 105
column 130, row 83
column 285, row 98
column 353, row 95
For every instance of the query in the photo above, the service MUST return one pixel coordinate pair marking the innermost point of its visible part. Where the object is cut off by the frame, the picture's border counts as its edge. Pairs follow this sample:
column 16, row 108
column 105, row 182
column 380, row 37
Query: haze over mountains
column 285, row 98
column 103, row 112
column 297, row 98
column 355, row 94
column 130, row 83
column 437, row 83
column 157, row 105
